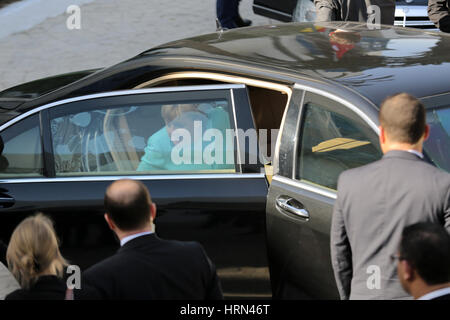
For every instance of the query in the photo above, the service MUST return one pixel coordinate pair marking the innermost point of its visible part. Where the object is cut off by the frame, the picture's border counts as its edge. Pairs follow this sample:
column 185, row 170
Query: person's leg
column 239, row 21
column 227, row 12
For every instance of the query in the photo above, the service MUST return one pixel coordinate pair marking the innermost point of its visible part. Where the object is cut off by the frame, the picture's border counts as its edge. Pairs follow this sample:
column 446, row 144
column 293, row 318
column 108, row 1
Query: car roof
column 375, row 63
column 342, row 55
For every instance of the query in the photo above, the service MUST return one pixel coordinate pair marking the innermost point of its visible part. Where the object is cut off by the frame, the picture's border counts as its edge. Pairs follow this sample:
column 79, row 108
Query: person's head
column 128, row 207
column 424, row 257
column 33, row 251
column 402, row 123
column 170, row 112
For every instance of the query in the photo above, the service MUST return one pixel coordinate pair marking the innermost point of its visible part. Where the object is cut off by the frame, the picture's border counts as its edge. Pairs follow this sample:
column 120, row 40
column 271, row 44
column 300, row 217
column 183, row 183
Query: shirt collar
column 133, row 236
column 435, row 294
column 417, row 153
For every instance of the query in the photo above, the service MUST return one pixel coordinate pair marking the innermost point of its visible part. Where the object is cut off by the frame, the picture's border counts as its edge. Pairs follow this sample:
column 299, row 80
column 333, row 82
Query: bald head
column 128, row 204
column 403, row 118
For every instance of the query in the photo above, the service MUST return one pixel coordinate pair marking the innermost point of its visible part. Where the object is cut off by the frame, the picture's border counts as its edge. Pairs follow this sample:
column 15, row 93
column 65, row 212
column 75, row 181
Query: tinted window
column 143, row 138
column 21, row 149
column 333, row 139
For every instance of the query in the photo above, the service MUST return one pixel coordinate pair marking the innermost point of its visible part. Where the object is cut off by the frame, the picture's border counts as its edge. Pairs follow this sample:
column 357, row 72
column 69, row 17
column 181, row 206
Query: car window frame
column 46, row 139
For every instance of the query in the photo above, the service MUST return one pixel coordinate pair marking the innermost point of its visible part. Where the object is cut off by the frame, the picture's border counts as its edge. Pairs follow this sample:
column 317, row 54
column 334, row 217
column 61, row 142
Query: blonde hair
column 33, row 249
column 171, row 111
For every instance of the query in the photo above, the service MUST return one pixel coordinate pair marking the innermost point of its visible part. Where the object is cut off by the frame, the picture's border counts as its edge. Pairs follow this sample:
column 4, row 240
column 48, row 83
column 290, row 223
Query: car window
column 144, row 138
column 21, row 149
column 333, row 139
column 437, row 144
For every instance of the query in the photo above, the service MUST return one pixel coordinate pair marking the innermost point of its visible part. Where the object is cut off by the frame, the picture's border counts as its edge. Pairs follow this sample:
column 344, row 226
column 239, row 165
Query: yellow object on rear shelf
column 338, row 143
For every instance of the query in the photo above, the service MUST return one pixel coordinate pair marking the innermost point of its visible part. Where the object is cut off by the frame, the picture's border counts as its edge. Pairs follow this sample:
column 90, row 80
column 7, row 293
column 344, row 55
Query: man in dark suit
column 439, row 13
column 375, row 202
column 424, row 261
column 147, row 267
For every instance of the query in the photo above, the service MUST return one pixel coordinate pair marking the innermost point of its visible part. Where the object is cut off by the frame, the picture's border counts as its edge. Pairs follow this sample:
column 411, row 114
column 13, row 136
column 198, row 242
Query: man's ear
column 153, row 211
column 407, row 270
column 382, row 135
column 426, row 133
column 110, row 223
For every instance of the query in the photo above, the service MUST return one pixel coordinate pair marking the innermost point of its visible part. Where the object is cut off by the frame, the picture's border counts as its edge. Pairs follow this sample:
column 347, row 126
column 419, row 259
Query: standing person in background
column 355, row 10
column 377, row 201
column 35, row 261
column 424, row 261
column 439, row 13
column 228, row 14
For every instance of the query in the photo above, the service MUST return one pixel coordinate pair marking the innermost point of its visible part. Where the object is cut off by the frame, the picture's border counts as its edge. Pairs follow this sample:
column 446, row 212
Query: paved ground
column 111, row 31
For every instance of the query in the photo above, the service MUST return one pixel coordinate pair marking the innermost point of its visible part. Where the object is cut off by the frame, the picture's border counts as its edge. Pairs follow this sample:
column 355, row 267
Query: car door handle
column 6, row 202
column 292, row 206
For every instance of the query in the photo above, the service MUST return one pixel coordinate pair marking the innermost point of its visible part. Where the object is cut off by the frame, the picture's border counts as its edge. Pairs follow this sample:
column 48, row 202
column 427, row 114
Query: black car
column 65, row 139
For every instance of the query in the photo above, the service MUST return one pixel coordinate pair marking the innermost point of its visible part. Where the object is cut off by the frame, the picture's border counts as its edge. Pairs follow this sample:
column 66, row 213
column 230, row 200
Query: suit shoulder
column 102, row 266
column 184, row 245
column 350, row 174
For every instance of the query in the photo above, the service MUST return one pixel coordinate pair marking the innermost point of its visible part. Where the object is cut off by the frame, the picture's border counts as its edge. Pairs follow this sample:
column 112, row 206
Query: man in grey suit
column 355, row 10
column 377, row 201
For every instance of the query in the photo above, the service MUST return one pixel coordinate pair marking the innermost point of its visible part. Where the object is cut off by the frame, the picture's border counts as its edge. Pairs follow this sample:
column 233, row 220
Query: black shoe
column 242, row 22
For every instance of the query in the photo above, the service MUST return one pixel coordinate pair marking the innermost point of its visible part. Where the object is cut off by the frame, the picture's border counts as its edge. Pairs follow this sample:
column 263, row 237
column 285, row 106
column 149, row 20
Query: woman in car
column 158, row 153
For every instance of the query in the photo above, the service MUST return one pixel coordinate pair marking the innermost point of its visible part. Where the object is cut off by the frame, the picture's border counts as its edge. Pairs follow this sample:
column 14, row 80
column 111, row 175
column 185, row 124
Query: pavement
column 41, row 45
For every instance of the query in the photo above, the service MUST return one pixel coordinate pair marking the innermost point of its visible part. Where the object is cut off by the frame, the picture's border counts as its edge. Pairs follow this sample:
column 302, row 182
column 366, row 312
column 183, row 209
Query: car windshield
column 437, row 147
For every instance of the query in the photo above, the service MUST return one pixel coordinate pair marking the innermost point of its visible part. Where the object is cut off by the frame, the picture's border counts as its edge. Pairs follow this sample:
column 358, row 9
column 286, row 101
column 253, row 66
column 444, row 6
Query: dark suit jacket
column 439, row 13
column 374, row 204
column 148, row 267
column 45, row 288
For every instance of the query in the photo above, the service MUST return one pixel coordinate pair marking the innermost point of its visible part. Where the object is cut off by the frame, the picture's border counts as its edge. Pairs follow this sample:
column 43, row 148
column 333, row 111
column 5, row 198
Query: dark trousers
column 227, row 13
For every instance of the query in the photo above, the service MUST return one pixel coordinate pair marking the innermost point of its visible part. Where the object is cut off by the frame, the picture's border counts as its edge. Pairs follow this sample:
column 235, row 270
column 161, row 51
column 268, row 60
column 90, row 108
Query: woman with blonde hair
column 34, row 259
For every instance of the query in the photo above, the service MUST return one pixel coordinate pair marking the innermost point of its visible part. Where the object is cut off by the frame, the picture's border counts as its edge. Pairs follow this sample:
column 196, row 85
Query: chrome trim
column 282, row 204
column 344, row 102
column 233, row 107
column 217, row 77
column 140, row 177
column 122, row 93
column 306, row 186
column 297, row 134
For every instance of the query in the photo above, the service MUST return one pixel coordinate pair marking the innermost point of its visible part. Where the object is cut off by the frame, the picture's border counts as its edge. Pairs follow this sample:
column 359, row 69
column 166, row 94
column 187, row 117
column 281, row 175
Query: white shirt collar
column 417, row 153
column 435, row 294
column 133, row 236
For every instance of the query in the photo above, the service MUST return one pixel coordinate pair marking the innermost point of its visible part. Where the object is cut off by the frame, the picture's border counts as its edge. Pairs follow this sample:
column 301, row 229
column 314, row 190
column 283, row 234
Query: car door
column 61, row 157
column 321, row 138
